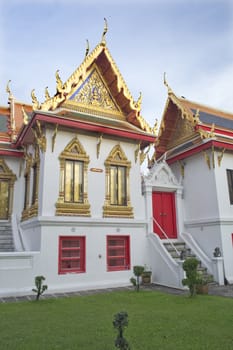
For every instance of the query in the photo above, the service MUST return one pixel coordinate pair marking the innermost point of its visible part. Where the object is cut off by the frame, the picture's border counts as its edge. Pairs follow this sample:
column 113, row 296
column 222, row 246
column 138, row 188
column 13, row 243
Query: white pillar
column 218, row 270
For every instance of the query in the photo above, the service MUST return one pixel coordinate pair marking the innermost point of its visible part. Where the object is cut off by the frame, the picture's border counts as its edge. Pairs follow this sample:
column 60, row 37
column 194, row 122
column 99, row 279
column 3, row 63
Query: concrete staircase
column 183, row 253
column 6, row 237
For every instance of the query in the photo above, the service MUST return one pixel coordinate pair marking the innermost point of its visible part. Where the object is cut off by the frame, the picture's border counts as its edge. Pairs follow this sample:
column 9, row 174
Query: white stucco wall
column 208, row 214
column 50, row 173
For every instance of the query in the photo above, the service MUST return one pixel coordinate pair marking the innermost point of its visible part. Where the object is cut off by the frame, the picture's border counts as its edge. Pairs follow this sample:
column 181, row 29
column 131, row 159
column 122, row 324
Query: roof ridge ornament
column 138, row 103
column 103, row 40
column 35, row 102
column 87, row 48
column 58, row 81
column 8, row 90
column 169, row 90
column 47, row 95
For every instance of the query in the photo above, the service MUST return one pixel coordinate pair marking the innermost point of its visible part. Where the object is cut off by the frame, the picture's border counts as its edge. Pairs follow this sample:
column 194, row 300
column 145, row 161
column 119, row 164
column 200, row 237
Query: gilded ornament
column 196, row 118
column 25, row 116
column 35, row 102
column 103, row 41
column 221, row 156
column 155, row 127
column 207, row 134
column 40, row 138
column 59, row 82
column 8, row 90
column 136, row 152
column 47, row 95
column 98, row 145
column 207, row 159
column 166, row 83
column 138, row 103
column 95, row 93
column 54, row 137
column 87, row 48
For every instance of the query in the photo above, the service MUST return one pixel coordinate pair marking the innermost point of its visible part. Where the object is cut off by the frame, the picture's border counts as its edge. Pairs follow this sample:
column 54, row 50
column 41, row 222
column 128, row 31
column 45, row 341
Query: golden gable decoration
column 94, row 93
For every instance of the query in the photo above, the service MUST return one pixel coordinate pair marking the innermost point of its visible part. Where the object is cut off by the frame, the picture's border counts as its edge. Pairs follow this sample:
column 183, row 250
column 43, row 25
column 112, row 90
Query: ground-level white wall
column 45, row 263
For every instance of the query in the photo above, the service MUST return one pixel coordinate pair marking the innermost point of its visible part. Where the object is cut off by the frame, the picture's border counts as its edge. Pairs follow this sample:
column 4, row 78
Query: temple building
column 74, row 205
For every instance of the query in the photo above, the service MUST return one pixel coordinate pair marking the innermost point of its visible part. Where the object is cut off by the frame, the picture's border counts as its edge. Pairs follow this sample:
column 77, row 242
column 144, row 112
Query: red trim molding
column 216, row 130
column 200, row 148
column 16, row 154
column 85, row 126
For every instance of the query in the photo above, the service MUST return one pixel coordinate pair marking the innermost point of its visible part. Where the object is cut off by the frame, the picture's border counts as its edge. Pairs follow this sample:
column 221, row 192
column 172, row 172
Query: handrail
column 170, row 242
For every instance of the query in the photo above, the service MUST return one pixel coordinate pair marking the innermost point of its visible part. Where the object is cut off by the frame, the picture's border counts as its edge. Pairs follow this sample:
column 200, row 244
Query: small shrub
column 120, row 323
column 40, row 287
column 192, row 276
column 138, row 270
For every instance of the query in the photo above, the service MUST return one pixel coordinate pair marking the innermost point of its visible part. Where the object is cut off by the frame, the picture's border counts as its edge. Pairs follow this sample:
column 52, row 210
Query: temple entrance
column 164, row 212
column 4, row 199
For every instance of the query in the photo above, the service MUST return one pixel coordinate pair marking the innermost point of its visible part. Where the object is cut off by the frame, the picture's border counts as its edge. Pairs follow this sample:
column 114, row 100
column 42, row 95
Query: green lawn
column 156, row 321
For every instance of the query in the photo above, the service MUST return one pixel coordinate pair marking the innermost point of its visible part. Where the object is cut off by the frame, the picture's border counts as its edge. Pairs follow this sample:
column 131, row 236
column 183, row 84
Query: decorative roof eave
column 51, row 118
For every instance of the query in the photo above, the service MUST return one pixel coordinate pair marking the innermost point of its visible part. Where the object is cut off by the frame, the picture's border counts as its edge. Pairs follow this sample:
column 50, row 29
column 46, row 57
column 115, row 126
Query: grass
column 156, row 321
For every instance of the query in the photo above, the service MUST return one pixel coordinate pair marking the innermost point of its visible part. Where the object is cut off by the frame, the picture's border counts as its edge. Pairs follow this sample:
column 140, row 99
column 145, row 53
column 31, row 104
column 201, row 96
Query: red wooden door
column 164, row 212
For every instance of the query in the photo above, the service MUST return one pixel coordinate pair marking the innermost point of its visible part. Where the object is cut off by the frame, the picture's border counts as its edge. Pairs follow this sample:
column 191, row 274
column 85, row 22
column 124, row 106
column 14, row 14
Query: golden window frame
column 117, row 157
column 73, row 151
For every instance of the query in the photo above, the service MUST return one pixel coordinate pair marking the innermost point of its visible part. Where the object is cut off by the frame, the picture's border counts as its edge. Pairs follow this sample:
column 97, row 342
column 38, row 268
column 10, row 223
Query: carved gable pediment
column 94, row 93
column 161, row 176
column 184, row 130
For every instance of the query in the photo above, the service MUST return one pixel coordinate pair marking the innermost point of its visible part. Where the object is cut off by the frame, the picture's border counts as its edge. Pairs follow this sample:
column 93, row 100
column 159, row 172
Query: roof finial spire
column 103, row 41
column 47, row 95
column 35, row 102
column 8, row 90
column 166, row 83
column 87, row 48
column 58, row 81
column 138, row 103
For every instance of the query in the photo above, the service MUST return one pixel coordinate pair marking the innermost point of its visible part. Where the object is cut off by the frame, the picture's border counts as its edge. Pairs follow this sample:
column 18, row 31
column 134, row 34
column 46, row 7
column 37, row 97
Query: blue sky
column 192, row 41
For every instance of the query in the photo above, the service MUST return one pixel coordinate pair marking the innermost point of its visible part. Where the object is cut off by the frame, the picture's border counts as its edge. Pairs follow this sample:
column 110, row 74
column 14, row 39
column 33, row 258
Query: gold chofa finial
column 47, row 95
column 58, row 81
column 103, row 41
column 166, row 83
column 138, row 103
column 35, row 102
column 87, row 48
column 8, row 90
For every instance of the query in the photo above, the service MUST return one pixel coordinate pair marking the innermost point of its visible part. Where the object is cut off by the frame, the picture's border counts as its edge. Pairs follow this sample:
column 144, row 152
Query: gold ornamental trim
column 113, row 211
column 72, row 209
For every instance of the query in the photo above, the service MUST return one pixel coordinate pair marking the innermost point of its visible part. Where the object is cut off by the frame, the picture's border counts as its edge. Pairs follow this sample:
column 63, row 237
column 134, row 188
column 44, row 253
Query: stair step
column 6, row 237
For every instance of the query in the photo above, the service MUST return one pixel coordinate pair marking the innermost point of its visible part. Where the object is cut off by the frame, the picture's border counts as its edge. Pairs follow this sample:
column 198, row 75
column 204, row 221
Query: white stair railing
column 169, row 240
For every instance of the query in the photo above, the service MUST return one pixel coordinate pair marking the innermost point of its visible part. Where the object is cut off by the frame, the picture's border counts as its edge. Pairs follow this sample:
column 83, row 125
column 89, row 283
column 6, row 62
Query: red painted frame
column 82, row 257
column 126, row 266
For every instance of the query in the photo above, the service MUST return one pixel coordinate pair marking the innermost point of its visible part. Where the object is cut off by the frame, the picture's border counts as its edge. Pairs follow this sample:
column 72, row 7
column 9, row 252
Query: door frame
column 172, row 217
column 161, row 179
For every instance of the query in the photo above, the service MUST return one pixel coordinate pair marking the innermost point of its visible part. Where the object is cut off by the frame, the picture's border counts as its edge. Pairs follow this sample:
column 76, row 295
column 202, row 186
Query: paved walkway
column 224, row 291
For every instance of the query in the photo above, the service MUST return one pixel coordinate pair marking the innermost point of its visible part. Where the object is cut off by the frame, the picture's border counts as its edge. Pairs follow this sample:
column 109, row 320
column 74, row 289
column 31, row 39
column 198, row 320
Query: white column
column 218, row 270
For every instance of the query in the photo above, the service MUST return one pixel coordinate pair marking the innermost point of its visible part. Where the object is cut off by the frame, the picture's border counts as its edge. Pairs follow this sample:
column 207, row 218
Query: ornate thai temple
column 74, row 206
